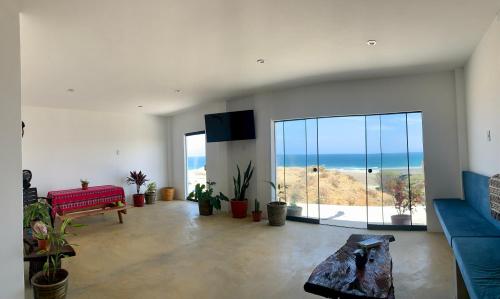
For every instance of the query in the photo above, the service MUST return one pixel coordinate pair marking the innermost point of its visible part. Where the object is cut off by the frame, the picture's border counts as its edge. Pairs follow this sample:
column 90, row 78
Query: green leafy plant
column 280, row 191
column 36, row 211
column 206, row 193
column 84, row 181
column 256, row 206
column 240, row 187
column 151, row 187
column 138, row 179
column 56, row 239
column 404, row 200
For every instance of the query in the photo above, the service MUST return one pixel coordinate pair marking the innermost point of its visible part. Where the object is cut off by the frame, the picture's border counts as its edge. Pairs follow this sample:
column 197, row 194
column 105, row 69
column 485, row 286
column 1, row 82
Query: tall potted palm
column 138, row 179
column 239, row 204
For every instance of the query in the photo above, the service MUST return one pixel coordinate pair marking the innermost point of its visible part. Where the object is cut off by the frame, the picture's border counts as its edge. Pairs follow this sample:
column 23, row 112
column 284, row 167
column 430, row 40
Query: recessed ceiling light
column 70, row 90
column 371, row 42
column 140, row 106
column 260, row 60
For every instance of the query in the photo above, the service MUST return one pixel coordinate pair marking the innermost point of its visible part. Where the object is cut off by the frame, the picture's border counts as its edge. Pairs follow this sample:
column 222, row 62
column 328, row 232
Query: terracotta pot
column 85, row 186
column 150, row 198
column 138, row 200
column 205, row 208
column 294, row 211
column 42, row 244
column 168, row 193
column 276, row 213
column 401, row 219
column 239, row 208
column 256, row 216
column 44, row 290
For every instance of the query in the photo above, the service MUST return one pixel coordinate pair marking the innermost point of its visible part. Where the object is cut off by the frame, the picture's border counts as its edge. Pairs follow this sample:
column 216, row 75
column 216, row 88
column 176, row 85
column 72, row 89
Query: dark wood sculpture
column 339, row 277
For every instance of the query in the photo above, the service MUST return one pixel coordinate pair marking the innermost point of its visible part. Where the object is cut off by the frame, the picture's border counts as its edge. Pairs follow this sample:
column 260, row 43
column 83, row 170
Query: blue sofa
column 474, row 236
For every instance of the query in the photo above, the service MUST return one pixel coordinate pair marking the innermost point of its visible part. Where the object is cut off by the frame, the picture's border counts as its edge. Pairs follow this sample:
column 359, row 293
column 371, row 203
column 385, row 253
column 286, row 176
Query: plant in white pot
column 276, row 210
column 403, row 202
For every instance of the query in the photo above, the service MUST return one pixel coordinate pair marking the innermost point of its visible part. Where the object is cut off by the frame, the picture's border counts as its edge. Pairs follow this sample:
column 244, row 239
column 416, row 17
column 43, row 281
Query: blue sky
column 346, row 135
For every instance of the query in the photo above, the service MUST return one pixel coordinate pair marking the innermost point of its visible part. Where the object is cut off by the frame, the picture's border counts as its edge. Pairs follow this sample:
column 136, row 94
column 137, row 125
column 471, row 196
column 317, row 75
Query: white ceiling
column 118, row 54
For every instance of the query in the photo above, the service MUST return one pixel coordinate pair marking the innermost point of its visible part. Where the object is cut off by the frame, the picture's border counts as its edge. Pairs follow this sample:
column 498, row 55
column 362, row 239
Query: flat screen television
column 237, row 125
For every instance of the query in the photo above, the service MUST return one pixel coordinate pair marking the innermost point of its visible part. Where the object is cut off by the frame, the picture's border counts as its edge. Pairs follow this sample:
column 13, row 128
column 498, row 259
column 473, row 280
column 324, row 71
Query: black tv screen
column 238, row 125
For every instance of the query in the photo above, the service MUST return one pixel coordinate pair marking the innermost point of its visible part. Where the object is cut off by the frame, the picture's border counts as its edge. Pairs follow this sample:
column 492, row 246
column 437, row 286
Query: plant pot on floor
column 239, row 208
column 85, row 186
column 256, row 216
column 276, row 213
column 150, row 198
column 205, row 208
column 42, row 289
column 294, row 211
column 401, row 219
column 168, row 194
column 138, row 200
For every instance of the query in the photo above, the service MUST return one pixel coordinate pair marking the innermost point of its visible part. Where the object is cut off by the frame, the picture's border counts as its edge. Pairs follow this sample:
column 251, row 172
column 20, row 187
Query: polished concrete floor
column 167, row 251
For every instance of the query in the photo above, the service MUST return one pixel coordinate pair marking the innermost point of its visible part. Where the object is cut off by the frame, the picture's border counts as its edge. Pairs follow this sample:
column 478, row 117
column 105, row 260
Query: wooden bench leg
column 120, row 217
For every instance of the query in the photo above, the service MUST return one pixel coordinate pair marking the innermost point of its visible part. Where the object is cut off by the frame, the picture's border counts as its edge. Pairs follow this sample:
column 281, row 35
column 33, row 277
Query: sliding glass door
column 195, row 160
column 356, row 171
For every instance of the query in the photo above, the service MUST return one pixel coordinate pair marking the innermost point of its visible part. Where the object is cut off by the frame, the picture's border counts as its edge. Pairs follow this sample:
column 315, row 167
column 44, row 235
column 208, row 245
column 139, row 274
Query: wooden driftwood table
column 339, row 277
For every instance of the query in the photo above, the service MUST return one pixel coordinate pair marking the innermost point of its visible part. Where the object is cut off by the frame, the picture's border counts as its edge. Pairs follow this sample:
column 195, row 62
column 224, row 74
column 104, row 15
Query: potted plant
column 203, row 194
column 52, row 281
column 39, row 211
column 276, row 210
column 40, row 232
column 293, row 209
column 85, row 184
column 256, row 213
column 402, row 201
column 239, row 204
column 138, row 179
column 150, row 194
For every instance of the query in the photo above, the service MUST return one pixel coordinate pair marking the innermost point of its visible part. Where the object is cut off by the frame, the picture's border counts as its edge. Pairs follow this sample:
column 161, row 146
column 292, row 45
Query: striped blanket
column 495, row 196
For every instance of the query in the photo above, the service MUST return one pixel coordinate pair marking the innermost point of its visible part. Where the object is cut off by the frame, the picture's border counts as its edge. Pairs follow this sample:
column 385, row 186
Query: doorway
column 195, row 160
column 357, row 171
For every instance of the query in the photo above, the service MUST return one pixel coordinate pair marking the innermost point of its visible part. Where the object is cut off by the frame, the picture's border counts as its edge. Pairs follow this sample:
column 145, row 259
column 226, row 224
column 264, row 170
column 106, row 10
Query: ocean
column 339, row 161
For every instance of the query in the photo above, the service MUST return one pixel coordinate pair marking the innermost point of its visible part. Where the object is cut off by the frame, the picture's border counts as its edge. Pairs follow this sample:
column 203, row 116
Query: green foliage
column 205, row 193
column 240, row 187
column 151, row 187
column 56, row 239
column 280, row 191
column 138, row 179
column 84, row 181
column 257, row 206
column 36, row 211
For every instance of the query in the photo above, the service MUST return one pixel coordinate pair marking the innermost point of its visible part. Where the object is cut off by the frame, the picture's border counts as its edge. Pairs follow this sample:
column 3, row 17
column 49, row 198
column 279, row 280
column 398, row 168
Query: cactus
column 257, row 205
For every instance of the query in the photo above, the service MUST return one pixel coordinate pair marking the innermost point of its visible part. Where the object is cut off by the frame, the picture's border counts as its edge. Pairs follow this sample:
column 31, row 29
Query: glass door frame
column 186, row 195
column 411, row 227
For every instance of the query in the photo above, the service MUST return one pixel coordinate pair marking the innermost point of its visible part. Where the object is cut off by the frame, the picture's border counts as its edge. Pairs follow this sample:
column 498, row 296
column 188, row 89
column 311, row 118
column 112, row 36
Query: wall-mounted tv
column 237, row 125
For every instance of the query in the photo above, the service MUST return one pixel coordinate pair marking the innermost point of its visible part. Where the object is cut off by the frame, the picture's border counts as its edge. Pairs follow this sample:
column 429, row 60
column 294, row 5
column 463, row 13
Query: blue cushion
column 479, row 263
column 459, row 219
column 476, row 193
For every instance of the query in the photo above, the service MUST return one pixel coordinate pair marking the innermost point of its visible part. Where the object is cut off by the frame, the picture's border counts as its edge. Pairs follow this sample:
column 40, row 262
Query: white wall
column 483, row 103
column 11, row 254
column 434, row 94
column 193, row 121
column 60, row 146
